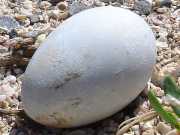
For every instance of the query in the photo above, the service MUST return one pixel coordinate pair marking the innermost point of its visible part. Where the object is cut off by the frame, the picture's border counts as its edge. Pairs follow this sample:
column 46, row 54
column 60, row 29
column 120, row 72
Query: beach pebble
column 144, row 7
column 172, row 132
column 71, row 81
column 40, row 38
column 149, row 132
column 162, row 3
column 62, row 5
column 45, row 5
column 34, row 18
column 8, row 22
column 80, row 5
column 163, row 128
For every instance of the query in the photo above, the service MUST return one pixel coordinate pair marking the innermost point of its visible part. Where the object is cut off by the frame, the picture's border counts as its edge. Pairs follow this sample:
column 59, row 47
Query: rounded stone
column 94, row 64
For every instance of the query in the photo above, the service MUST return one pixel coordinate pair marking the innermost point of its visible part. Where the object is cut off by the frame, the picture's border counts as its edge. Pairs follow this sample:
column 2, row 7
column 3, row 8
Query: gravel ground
column 24, row 24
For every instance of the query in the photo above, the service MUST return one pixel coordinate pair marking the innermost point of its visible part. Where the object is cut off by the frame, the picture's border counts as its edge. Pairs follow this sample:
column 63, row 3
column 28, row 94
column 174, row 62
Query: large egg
column 94, row 64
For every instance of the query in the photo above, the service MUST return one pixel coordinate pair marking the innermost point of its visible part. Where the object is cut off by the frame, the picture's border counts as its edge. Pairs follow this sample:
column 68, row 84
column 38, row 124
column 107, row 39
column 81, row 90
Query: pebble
column 163, row 128
column 3, row 39
column 34, row 18
column 162, row 10
column 18, row 71
column 45, row 5
column 3, row 49
column 62, row 5
column 40, row 38
column 8, row 23
column 57, row 14
column 30, row 34
column 149, row 132
column 144, row 7
column 27, row 4
column 147, row 126
column 11, row 79
column 53, row 13
column 7, row 90
column 23, row 62
column 79, row 5
column 21, row 17
column 161, row 3
column 172, row 132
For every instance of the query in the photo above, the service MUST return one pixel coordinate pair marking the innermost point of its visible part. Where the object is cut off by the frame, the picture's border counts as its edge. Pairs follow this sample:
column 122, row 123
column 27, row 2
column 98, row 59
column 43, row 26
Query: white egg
column 94, row 64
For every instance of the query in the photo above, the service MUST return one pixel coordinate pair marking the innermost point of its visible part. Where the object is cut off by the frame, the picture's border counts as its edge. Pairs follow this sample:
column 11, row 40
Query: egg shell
column 94, row 64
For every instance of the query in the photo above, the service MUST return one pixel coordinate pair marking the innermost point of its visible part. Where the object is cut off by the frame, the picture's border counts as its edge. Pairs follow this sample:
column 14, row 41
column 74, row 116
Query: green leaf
column 171, row 88
column 176, row 110
column 167, row 116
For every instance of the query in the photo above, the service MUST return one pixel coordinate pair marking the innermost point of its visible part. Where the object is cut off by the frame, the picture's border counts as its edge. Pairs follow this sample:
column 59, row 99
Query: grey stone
column 34, row 19
column 8, row 22
column 165, row 3
column 144, row 7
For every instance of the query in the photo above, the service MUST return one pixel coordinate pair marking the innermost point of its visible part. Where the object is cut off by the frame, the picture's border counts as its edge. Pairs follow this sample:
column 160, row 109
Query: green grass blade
column 167, row 116
column 171, row 88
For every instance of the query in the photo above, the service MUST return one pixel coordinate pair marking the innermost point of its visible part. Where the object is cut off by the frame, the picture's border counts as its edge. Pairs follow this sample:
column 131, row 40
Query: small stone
column 144, row 7
column 30, row 51
column 34, row 19
column 162, row 10
column 80, row 5
column 21, row 17
column 63, row 15
column 40, row 38
column 26, row 12
column 147, row 126
column 149, row 132
column 131, row 133
column 8, row 23
column 99, row 3
column 57, row 14
column 45, row 5
column 10, row 43
column 163, row 128
column 2, row 39
column 11, row 79
column 12, row 33
column 2, row 98
column 18, row 71
column 136, row 129
column 5, row 89
column 23, row 62
column 161, row 44
column 53, row 13
column 30, row 34
column 161, row 3
column 3, row 49
column 27, row 4
column 62, row 5
column 172, row 132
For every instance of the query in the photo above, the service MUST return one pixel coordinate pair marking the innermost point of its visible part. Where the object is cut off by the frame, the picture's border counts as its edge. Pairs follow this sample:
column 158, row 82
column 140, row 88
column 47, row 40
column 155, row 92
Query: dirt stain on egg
column 68, row 77
column 56, row 120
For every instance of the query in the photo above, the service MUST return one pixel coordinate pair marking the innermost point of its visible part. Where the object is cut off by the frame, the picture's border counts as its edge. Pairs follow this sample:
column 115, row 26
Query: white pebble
column 172, row 132
column 163, row 128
